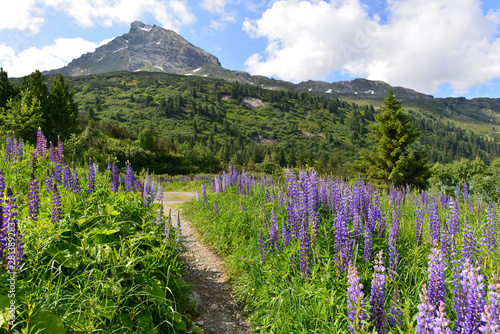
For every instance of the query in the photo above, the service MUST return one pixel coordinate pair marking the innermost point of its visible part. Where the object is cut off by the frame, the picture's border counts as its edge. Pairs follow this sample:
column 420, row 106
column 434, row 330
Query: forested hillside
column 181, row 124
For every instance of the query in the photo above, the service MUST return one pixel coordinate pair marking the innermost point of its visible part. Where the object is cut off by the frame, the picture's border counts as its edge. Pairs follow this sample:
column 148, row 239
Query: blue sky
column 439, row 47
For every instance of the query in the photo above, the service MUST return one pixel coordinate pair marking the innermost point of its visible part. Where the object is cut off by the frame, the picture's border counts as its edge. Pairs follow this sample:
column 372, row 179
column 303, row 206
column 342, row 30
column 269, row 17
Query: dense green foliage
column 392, row 159
column 32, row 104
column 105, row 266
column 200, row 124
column 281, row 300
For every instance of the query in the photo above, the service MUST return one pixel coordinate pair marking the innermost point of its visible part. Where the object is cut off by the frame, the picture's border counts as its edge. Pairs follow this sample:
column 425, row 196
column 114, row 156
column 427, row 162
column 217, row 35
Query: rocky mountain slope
column 154, row 49
column 144, row 47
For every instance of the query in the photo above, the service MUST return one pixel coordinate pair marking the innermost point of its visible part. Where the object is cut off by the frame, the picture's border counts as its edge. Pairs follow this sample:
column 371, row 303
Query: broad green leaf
column 46, row 322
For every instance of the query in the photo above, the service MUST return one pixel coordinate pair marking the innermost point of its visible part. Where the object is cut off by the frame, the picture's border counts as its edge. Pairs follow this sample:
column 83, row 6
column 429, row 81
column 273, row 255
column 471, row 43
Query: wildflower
column 355, row 302
column 426, row 315
column 10, row 224
column 216, row 209
column 60, row 149
column 91, row 178
column 490, row 323
column 441, row 322
column 367, row 254
column 34, row 198
column 52, row 153
column 472, row 289
column 129, row 178
column 41, row 143
column 436, row 278
column 377, row 295
column 114, row 177
column 56, row 206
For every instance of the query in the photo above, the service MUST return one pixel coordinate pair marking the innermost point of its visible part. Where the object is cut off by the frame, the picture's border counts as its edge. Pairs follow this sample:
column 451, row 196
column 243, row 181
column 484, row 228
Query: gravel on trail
column 218, row 311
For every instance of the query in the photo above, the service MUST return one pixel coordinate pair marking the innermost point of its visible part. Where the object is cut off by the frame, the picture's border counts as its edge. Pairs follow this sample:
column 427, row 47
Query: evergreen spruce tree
column 392, row 158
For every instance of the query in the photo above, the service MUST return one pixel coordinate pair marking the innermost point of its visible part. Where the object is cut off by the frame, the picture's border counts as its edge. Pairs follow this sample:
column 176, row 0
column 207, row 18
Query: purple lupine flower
column 441, row 321
column 216, row 209
column 76, row 181
column 60, row 149
column 41, row 144
column 66, row 176
column 395, row 312
column 419, row 223
column 268, row 197
column 285, row 232
column 453, row 217
column 15, row 249
column 393, row 240
column 426, row 314
column 469, row 243
column 377, row 295
column 436, row 277
column 52, row 153
column 371, row 220
column 56, row 206
column 49, row 182
column 447, row 243
column 242, row 206
column 343, row 241
column 34, row 198
column 58, row 172
column 204, row 192
column 490, row 323
column 197, row 195
column 114, row 178
column 474, row 299
column 129, row 178
column 305, row 250
column 490, row 229
column 91, row 178
column 355, row 301
column 367, row 254
column 495, row 298
column 9, row 148
column 434, row 223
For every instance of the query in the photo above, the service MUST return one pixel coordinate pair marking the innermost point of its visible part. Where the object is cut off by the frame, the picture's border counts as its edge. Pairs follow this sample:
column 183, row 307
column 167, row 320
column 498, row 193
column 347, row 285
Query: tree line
column 34, row 103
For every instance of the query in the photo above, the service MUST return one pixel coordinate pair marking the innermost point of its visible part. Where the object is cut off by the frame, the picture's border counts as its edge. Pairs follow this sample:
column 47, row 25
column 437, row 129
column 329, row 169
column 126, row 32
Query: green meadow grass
column 280, row 300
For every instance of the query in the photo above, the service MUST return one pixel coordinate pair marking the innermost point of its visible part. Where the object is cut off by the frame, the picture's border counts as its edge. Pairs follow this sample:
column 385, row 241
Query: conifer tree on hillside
column 7, row 90
column 391, row 158
column 33, row 104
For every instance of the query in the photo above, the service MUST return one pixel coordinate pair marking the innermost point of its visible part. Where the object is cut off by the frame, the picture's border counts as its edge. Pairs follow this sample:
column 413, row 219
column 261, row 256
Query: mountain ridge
column 144, row 47
column 154, row 49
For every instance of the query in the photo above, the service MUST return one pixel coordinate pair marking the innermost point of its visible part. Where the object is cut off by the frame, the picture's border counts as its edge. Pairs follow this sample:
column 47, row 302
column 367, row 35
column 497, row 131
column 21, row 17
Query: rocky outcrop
column 144, row 47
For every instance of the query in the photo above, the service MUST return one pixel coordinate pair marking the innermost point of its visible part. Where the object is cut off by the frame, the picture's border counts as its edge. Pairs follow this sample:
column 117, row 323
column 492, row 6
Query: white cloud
column 28, row 15
column 423, row 44
column 218, row 7
column 46, row 58
column 21, row 15
column 170, row 14
column 213, row 6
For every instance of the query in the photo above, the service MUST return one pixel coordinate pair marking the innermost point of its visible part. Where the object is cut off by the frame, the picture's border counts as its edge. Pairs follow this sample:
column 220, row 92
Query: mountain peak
column 144, row 48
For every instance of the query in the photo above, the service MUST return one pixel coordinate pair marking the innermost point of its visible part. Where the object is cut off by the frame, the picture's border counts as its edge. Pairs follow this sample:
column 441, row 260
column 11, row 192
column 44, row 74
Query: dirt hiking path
column 218, row 311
